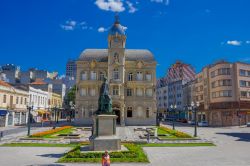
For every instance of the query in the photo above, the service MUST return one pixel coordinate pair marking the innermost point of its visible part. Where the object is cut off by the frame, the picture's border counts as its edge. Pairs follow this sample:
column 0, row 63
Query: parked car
column 248, row 124
column 203, row 124
column 191, row 122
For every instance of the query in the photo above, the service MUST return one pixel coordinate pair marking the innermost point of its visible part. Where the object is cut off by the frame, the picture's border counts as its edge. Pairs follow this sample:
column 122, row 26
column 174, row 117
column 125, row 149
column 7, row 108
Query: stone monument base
column 104, row 134
column 102, row 143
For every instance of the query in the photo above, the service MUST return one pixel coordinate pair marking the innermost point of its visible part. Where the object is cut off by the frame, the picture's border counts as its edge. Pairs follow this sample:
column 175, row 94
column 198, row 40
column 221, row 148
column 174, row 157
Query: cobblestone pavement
column 233, row 149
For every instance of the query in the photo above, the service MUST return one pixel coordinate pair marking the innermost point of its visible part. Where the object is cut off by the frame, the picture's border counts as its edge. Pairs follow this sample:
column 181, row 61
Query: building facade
column 178, row 75
column 71, row 68
column 131, row 75
column 223, row 89
column 13, row 105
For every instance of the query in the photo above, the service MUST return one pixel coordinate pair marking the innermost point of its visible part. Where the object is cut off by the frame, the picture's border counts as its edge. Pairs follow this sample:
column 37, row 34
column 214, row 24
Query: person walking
column 106, row 159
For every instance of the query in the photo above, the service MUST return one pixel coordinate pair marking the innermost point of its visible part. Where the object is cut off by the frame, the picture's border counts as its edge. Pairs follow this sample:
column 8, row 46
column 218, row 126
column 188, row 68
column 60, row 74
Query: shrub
column 175, row 133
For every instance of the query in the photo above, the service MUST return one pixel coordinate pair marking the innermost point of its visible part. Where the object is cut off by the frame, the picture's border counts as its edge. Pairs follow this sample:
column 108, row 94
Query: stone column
column 122, row 115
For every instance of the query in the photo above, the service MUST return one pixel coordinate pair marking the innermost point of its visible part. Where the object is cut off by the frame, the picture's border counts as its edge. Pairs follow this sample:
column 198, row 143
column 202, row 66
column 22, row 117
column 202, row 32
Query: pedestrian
column 106, row 159
column 148, row 136
column 1, row 135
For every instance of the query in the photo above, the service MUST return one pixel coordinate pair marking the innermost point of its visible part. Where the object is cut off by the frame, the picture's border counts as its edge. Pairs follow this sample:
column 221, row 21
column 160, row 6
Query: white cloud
column 71, row 25
column 131, row 7
column 166, row 2
column 248, row 42
column 101, row 29
column 234, row 42
column 110, row 5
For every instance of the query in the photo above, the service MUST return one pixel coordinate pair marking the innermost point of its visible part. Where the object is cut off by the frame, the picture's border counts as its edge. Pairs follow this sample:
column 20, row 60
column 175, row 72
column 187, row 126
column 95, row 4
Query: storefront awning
column 43, row 111
column 3, row 112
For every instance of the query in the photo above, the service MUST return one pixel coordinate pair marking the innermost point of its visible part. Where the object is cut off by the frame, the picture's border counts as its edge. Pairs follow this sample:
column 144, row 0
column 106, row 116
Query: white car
column 248, row 124
column 203, row 124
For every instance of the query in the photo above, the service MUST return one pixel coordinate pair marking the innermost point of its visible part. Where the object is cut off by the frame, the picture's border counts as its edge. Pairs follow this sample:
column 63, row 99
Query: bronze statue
column 105, row 101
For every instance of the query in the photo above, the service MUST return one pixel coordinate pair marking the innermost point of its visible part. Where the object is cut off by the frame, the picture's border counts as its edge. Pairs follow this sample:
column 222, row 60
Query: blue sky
column 46, row 33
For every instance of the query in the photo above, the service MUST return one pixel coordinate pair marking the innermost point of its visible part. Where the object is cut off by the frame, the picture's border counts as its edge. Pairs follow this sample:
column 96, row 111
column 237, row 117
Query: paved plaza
column 233, row 149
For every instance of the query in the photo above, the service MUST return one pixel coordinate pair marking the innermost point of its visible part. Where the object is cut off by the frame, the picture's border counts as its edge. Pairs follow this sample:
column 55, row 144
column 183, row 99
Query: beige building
column 132, row 79
column 223, row 89
column 13, row 102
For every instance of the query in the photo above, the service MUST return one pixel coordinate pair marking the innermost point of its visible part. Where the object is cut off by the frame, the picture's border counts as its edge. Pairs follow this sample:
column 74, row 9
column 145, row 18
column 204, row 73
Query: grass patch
column 176, row 144
column 171, row 133
column 37, row 145
column 135, row 154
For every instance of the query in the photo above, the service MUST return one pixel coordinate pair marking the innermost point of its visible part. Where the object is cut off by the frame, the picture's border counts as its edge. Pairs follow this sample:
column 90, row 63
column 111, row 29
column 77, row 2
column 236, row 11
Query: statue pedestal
column 104, row 134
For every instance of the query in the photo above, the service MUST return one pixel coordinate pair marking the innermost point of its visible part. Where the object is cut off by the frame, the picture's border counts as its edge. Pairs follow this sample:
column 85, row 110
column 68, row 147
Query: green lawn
column 135, row 154
column 176, row 144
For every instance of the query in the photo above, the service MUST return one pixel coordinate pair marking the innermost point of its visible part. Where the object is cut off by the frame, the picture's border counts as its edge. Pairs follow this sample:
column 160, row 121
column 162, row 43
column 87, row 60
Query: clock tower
column 116, row 66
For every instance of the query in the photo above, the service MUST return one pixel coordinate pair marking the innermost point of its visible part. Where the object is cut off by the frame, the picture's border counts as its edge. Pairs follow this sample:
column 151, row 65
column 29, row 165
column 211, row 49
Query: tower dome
column 117, row 28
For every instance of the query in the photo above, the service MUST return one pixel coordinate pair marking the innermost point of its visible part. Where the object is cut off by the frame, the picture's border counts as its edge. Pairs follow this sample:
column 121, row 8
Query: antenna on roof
column 117, row 19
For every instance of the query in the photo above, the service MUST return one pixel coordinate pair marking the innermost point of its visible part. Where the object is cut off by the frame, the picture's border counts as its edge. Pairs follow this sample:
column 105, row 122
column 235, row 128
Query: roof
column 2, row 83
column 38, row 82
column 101, row 55
column 117, row 28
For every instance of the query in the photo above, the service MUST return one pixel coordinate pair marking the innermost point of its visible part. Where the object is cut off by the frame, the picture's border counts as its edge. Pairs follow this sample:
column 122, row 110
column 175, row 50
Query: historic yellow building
column 132, row 77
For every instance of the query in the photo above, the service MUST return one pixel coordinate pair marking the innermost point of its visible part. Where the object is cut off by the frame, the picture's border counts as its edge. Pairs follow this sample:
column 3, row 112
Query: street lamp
column 173, row 108
column 194, row 108
column 55, row 107
column 29, row 108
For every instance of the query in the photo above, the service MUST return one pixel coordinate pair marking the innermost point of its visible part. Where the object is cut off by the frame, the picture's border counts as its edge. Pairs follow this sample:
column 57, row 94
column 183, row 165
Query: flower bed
column 52, row 131
column 177, row 134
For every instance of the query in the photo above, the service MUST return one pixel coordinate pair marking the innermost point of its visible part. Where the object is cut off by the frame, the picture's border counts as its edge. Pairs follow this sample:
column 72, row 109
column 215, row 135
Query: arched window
column 129, row 112
column 148, row 76
column 139, row 76
column 147, row 112
column 84, row 75
column 83, row 92
column 130, row 76
column 116, row 74
column 93, row 75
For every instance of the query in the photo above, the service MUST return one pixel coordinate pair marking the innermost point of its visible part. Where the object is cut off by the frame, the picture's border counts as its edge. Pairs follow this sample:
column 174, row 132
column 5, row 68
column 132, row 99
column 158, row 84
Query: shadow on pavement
column 51, row 155
column 47, row 165
column 242, row 136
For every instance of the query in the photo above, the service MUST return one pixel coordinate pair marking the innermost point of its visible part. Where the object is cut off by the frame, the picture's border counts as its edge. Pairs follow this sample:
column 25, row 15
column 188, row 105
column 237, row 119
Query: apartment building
column 223, row 89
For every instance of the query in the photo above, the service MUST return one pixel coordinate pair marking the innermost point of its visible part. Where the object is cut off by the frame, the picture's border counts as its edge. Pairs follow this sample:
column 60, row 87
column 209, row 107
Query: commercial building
column 131, row 75
column 13, row 101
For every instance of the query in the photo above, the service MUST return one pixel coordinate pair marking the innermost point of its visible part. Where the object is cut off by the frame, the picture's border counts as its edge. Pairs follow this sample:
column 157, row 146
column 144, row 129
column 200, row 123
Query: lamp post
column 55, row 107
column 173, row 108
column 29, row 108
column 194, row 108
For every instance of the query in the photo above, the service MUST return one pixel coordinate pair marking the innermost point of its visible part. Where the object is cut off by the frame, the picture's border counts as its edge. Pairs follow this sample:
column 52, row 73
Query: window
column 93, row 75
column 92, row 92
column 129, row 112
column 147, row 113
column 243, row 83
column 148, row 77
column 214, row 95
column 243, row 94
column 101, row 76
column 139, row 76
column 25, row 100
column 4, row 98
column 116, row 57
column 17, row 100
column 21, row 100
column 84, row 75
column 116, row 74
column 224, row 71
column 139, row 92
column 149, row 92
column 83, row 92
column 213, row 74
column 242, row 72
column 213, row 84
column 130, row 76
column 129, row 92
column 115, row 90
